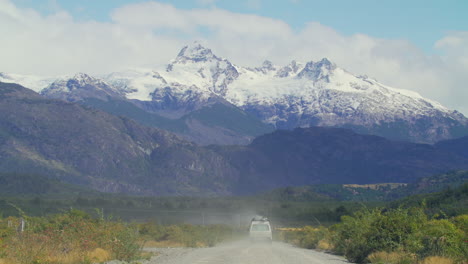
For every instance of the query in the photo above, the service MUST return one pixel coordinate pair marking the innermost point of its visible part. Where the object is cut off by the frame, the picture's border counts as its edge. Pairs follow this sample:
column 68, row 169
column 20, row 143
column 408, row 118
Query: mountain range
column 207, row 99
column 79, row 144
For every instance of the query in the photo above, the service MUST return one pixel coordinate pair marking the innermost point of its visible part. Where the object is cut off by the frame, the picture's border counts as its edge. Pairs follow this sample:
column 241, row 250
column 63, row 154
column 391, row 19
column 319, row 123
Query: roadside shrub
column 372, row 231
column 307, row 237
column 291, row 235
column 174, row 233
column 399, row 236
column 310, row 237
column 185, row 234
column 122, row 241
column 325, row 244
column 72, row 237
column 442, row 238
column 461, row 222
column 351, row 235
column 151, row 231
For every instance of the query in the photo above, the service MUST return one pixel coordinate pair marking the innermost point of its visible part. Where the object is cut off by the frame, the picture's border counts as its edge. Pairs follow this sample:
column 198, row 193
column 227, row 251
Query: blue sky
column 419, row 45
column 422, row 22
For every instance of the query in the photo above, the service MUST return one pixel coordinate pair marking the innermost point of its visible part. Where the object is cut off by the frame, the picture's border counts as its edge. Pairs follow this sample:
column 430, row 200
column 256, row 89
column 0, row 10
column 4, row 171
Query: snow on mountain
column 314, row 93
column 198, row 66
column 36, row 83
column 79, row 87
column 295, row 95
column 195, row 77
column 323, row 90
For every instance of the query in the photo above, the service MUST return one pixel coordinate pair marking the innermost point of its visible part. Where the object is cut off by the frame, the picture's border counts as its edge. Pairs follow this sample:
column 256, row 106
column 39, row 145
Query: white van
column 260, row 230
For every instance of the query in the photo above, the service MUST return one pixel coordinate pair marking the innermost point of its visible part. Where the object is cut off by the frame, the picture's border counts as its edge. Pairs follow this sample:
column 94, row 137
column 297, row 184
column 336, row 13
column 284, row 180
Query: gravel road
column 244, row 252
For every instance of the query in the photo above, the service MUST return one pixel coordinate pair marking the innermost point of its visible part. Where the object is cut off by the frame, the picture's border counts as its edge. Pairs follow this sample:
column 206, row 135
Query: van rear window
column 260, row 227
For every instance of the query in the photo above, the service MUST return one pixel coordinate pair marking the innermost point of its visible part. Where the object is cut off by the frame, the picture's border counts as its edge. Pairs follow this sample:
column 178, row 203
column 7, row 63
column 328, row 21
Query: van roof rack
column 260, row 218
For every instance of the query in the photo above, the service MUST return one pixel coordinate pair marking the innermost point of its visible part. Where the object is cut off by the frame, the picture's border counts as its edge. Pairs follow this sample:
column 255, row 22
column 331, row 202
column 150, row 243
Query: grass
column 437, row 260
column 69, row 238
column 325, row 245
column 383, row 257
column 99, row 255
column 163, row 244
column 184, row 235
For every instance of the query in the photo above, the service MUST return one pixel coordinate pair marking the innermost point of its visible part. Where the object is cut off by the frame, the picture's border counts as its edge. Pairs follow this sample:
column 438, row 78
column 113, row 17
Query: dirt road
column 243, row 252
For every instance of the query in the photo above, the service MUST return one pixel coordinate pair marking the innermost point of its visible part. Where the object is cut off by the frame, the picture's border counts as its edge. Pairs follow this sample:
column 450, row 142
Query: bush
column 351, row 236
column 187, row 235
column 310, row 237
column 291, row 235
column 442, row 238
column 72, row 237
column 368, row 235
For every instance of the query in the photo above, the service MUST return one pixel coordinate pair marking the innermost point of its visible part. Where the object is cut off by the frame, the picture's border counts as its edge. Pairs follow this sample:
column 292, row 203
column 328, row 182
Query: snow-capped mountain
column 79, row 87
column 196, row 77
column 296, row 95
column 33, row 82
column 314, row 93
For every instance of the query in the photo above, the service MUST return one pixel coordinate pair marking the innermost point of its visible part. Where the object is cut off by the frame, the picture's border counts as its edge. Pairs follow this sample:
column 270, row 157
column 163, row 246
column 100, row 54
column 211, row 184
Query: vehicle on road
column 260, row 230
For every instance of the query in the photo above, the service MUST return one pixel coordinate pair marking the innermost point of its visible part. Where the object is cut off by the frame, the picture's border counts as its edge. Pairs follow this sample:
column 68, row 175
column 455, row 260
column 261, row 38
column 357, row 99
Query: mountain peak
column 317, row 70
column 287, row 70
column 79, row 87
column 326, row 62
column 266, row 67
column 82, row 78
column 81, row 75
column 195, row 53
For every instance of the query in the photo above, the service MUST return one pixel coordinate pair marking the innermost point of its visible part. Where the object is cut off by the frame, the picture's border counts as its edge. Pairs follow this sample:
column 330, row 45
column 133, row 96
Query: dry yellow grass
column 389, row 257
column 69, row 258
column 375, row 186
column 324, row 245
column 289, row 229
column 4, row 261
column 436, row 260
column 99, row 255
column 162, row 244
column 200, row 244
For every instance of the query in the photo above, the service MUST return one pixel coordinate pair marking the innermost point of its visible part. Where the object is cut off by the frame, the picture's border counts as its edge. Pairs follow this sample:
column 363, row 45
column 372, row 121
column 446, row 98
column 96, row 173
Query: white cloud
column 454, row 61
column 152, row 33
